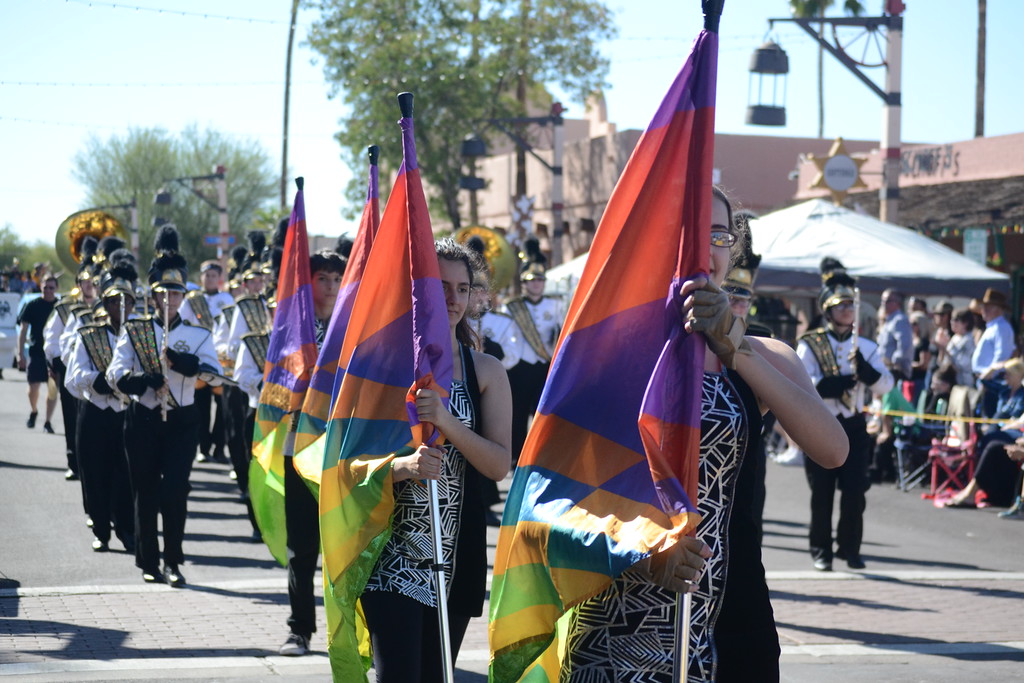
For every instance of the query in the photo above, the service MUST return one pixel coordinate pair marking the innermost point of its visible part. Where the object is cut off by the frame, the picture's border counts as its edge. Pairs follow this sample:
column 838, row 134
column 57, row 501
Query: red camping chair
column 952, row 457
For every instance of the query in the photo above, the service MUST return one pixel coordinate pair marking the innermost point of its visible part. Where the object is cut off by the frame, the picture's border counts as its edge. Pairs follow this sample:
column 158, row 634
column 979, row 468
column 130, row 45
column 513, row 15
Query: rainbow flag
column 608, row 473
column 397, row 340
column 291, row 356
column 309, row 435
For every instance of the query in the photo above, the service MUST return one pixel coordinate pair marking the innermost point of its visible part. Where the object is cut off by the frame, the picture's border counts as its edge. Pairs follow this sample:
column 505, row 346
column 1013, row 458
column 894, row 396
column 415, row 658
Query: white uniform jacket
column 183, row 338
column 841, row 350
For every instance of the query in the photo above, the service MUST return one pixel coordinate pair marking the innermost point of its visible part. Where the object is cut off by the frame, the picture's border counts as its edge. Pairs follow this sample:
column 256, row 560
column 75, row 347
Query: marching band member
column 157, row 361
column 104, row 469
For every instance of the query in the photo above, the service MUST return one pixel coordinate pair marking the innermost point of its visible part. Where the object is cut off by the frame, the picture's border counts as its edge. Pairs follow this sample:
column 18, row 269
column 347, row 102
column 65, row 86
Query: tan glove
column 711, row 315
column 679, row 568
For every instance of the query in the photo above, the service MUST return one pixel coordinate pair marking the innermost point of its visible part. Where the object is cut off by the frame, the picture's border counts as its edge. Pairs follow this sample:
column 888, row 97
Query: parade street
column 940, row 600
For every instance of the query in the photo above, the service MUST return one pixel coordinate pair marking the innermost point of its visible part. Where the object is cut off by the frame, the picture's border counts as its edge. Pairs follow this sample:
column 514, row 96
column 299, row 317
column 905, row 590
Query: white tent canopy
column 793, row 241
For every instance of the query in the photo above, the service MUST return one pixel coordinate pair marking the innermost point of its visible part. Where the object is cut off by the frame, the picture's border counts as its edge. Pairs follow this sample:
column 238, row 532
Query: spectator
column 996, row 343
column 921, row 334
column 996, row 472
column 895, row 338
column 32, row 320
column 958, row 348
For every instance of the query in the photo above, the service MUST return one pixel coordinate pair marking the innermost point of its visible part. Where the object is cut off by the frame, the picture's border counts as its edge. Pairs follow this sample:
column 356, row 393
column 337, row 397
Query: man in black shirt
column 32, row 320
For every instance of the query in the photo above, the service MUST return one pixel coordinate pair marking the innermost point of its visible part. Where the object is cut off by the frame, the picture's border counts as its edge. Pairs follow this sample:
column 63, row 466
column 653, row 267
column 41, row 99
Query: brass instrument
column 76, row 227
column 501, row 256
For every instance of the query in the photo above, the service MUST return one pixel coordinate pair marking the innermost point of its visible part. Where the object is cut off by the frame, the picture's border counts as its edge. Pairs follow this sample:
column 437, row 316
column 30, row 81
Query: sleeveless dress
column 401, row 567
column 628, row 632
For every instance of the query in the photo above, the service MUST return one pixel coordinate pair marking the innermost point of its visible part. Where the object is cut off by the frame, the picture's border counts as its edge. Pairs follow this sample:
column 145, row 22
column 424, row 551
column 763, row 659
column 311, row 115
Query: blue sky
column 72, row 68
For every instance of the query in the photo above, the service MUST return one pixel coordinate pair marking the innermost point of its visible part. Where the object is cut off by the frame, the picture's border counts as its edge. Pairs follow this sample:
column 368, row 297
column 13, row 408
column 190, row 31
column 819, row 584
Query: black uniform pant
column 405, row 635
column 234, row 404
column 69, row 411
column 302, row 524
column 104, row 471
column 160, row 458
column 527, row 383
column 211, row 437
column 852, row 481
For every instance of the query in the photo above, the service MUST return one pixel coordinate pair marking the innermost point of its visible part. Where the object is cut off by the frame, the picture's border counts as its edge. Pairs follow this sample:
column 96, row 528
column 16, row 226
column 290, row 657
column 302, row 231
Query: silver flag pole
column 682, row 654
column 440, row 587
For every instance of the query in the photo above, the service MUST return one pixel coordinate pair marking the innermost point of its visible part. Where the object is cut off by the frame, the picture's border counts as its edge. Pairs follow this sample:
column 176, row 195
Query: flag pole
column 405, row 100
column 684, row 601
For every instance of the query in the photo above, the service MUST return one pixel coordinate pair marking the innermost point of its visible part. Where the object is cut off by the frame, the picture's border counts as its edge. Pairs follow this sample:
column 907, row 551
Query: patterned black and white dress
column 400, row 567
column 627, row 634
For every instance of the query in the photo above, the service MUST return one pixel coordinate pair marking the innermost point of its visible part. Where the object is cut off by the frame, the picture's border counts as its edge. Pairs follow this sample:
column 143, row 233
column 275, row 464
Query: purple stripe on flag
column 431, row 329
column 299, row 307
column 607, row 374
column 384, row 356
column 408, row 146
column 680, row 97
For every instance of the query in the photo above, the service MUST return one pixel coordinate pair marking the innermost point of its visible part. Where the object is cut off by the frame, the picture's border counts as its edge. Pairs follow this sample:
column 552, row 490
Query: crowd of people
column 154, row 373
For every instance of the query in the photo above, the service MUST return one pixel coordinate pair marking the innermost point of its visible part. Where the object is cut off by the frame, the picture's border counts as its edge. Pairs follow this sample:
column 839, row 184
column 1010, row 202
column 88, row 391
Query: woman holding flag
column 477, row 427
column 630, row 628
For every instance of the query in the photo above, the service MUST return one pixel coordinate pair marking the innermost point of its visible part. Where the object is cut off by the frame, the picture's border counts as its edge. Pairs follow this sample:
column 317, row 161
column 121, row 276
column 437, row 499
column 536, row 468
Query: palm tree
column 979, row 92
column 807, row 9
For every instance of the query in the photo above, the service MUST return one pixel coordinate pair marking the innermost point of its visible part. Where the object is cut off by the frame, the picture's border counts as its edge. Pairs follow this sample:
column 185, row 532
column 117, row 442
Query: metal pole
column 889, row 194
column 557, row 191
column 440, row 589
column 684, row 601
column 134, row 228
column 287, row 97
column 224, row 245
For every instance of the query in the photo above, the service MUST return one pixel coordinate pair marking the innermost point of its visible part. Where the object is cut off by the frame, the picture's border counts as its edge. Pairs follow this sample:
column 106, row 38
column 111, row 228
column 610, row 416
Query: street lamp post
column 219, row 178
column 557, row 123
column 891, row 96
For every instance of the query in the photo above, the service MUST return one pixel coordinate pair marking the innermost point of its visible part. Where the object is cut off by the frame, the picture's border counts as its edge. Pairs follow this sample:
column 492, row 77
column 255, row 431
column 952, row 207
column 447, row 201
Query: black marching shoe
column 71, row 475
column 853, row 560
column 295, row 646
column 173, row 576
column 152, row 576
column 99, row 546
column 823, row 565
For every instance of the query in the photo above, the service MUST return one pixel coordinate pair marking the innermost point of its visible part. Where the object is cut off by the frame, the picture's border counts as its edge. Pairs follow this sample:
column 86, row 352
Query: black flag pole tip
column 712, row 14
column 299, row 182
column 374, row 153
column 405, row 104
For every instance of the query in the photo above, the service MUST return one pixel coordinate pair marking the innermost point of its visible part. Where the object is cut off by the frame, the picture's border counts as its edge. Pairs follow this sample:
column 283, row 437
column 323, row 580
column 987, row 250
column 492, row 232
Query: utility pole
column 224, row 246
column 287, row 98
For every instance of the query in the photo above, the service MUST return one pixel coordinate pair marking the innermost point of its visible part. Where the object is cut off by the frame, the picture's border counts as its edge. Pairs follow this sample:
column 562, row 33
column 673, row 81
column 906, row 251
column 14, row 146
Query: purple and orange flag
column 291, row 355
column 309, row 435
column 608, row 474
column 397, row 340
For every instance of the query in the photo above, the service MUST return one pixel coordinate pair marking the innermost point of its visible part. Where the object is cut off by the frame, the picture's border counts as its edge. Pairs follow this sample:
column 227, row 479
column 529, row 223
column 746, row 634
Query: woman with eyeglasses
column 845, row 371
column 628, row 632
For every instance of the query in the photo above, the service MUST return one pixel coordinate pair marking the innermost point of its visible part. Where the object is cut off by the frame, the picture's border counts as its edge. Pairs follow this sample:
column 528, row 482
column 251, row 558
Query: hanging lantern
column 768, row 66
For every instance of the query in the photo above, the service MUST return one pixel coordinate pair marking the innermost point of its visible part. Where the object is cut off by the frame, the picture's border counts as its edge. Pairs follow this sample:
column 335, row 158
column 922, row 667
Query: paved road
column 939, row 601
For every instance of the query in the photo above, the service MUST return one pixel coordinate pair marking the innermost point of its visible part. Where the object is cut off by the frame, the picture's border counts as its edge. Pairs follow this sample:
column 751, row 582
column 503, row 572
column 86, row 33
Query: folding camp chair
column 952, row 457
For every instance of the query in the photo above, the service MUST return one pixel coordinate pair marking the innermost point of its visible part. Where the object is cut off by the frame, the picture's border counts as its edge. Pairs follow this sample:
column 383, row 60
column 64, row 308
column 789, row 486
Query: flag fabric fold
column 608, row 473
column 291, row 355
column 312, row 423
column 397, row 339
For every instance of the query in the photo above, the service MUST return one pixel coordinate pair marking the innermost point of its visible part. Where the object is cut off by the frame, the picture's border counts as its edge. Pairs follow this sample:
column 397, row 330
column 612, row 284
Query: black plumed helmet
column 121, row 275
column 343, row 246
column 87, row 252
column 534, row 260
column 836, row 284
column 169, row 270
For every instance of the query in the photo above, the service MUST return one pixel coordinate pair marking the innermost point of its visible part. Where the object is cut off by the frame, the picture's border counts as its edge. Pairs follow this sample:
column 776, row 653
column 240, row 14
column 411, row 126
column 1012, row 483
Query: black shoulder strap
column 472, row 385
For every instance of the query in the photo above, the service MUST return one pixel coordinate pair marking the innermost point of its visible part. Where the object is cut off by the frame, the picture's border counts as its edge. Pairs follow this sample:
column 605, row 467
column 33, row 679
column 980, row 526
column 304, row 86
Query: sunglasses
column 722, row 238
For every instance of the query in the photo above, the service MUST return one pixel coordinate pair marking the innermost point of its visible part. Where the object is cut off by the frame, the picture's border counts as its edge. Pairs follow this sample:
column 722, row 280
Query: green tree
column 465, row 60
column 139, row 163
column 807, row 9
column 14, row 249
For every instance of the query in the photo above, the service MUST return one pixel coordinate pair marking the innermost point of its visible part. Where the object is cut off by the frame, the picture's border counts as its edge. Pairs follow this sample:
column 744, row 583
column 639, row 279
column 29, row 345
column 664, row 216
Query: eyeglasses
column 844, row 306
column 722, row 238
